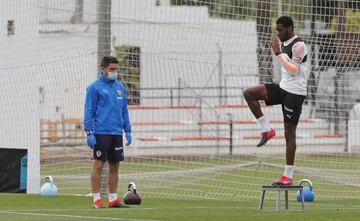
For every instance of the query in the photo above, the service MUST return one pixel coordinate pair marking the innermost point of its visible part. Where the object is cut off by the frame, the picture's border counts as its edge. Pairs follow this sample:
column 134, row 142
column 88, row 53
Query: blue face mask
column 112, row 76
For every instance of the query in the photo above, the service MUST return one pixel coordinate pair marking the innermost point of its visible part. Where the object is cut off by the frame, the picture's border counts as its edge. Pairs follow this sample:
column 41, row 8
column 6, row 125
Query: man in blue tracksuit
column 106, row 116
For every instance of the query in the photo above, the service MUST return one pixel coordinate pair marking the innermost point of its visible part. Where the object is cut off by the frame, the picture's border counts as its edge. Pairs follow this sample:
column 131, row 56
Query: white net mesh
column 185, row 65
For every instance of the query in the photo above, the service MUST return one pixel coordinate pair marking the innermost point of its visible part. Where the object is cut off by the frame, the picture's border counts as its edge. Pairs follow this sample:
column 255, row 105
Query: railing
column 204, row 101
column 67, row 131
column 175, row 95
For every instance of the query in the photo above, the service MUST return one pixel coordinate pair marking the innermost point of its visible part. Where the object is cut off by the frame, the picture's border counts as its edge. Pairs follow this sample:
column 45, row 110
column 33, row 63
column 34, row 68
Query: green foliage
column 235, row 9
column 352, row 21
column 299, row 10
column 129, row 58
column 31, row 207
column 230, row 9
column 246, row 9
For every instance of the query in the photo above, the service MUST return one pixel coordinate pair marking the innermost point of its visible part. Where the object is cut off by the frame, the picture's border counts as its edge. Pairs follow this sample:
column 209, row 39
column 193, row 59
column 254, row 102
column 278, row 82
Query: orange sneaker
column 284, row 180
column 98, row 204
column 265, row 136
column 117, row 204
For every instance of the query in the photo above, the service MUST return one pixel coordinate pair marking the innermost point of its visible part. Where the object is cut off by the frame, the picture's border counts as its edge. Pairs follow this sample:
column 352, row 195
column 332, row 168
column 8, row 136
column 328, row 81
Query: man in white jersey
column 290, row 93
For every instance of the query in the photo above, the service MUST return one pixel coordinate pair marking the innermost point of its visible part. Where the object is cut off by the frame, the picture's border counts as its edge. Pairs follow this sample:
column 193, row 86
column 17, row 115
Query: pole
column 104, row 48
column 279, row 8
column 171, row 98
column 104, row 29
column 179, row 91
column 230, row 133
column 78, row 13
column 220, row 73
column 200, row 116
column 225, row 89
column 336, row 103
column 312, row 85
column 337, row 79
column 263, row 30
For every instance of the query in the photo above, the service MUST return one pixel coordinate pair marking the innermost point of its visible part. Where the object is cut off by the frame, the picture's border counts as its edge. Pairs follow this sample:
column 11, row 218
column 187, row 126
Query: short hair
column 286, row 21
column 107, row 60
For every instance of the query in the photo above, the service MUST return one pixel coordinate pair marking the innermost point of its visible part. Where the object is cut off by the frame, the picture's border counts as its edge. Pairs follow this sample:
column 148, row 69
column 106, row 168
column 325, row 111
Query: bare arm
column 291, row 66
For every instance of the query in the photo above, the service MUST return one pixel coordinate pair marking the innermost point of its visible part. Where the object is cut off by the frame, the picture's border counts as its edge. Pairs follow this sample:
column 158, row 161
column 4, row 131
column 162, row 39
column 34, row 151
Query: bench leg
column 262, row 197
column 286, row 200
column 277, row 200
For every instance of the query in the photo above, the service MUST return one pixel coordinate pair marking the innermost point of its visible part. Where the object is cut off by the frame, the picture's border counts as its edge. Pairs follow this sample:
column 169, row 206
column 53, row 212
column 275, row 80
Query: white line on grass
column 61, row 210
column 339, row 206
column 72, row 216
column 317, row 206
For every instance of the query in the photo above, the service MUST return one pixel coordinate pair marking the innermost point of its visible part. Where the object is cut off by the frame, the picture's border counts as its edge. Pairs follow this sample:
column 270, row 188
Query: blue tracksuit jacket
column 106, row 110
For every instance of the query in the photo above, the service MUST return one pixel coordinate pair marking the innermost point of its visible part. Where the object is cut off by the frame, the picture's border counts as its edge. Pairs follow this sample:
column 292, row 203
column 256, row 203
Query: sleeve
column 89, row 109
column 293, row 65
column 125, row 115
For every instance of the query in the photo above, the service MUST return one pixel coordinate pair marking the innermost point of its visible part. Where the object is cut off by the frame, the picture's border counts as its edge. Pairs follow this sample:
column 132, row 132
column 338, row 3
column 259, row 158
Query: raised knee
column 247, row 93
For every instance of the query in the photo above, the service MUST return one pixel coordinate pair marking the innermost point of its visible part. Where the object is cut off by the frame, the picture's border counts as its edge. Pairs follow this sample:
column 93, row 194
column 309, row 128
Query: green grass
column 33, row 207
column 194, row 188
column 195, row 177
column 350, row 162
column 182, row 188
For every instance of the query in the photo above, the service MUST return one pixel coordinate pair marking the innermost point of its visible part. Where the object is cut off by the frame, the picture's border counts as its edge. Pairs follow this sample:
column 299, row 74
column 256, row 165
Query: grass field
column 197, row 188
column 219, row 178
column 35, row 208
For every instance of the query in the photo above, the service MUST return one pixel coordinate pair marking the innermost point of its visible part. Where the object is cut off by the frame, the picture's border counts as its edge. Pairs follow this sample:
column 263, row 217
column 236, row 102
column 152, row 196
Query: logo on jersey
column 119, row 95
column 98, row 153
column 104, row 90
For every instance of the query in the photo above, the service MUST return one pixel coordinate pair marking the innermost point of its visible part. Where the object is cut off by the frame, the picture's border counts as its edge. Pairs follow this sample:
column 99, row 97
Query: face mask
column 112, row 76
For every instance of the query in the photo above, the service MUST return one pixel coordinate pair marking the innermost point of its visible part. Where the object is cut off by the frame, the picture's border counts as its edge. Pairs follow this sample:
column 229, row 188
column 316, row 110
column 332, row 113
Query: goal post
column 20, row 124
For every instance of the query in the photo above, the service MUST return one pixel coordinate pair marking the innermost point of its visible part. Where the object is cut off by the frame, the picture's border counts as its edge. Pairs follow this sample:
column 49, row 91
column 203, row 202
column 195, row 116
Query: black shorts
column 109, row 148
column 291, row 103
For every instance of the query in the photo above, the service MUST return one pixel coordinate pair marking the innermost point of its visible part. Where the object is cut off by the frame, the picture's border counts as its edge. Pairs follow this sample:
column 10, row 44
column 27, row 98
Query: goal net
column 185, row 65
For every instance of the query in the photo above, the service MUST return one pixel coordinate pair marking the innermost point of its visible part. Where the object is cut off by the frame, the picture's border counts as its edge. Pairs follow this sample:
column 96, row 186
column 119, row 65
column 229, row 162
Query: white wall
column 18, row 49
column 19, row 103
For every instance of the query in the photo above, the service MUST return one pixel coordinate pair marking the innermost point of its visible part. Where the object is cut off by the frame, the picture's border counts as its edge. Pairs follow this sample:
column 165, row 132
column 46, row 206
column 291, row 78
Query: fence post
column 179, row 90
column 171, row 97
column 200, row 116
column 230, row 133
column 104, row 48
